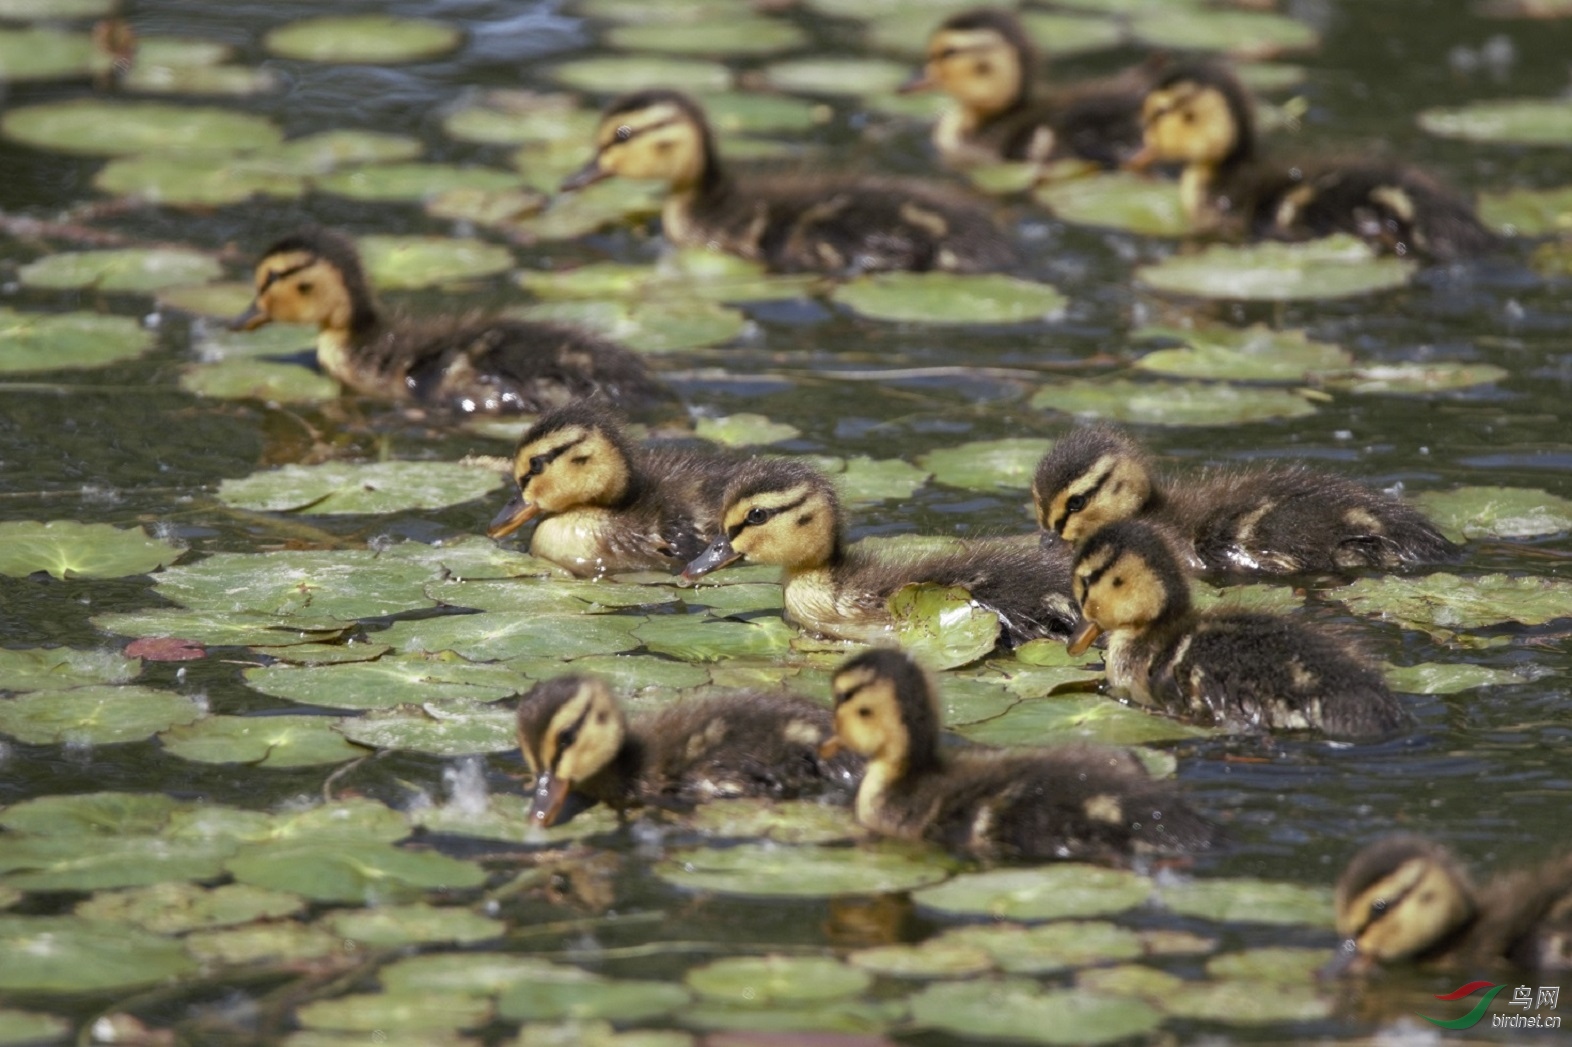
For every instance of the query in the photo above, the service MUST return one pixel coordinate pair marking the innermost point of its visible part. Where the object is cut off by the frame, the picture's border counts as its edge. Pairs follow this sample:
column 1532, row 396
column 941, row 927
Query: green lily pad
column 175, row 908
column 261, row 741
column 1528, row 212
column 151, row 77
column 26, row 1028
column 745, row 430
column 106, row 813
column 415, row 181
column 513, row 117
column 941, row 625
column 387, row 682
column 195, row 180
column 64, row 954
column 785, row 821
column 1244, row 34
column 613, row 73
column 1252, row 354
column 410, row 262
column 347, row 584
column 619, row 1000
column 1281, row 965
column 1410, row 378
column 1020, row 1010
column 271, row 943
column 739, row 34
column 1056, row 34
column 43, row 54
column 100, row 715
column 506, row 817
column 1050, row 947
column 1170, row 403
column 1447, row 677
column 1526, row 121
column 988, row 465
column 696, row 272
column 412, row 925
column 625, row 672
column 487, row 208
column 182, row 51
column 1442, row 603
column 368, row 39
column 61, row 668
column 265, row 380
column 347, row 821
column 448, row 728
column 836, row 76
column 135, row 269
column 1250, row 901
column 1335, row 267
column 852, row 1017
column 330, row 653
column 763, row 981
column 1078, row 718
column 951, row 298
column 771, row 870
column 221, row 628
column 934, row 958
column 744, row 112
column 474, row 973
column 59, row 341
column 374, row 487
column 352, row 872
column 1249, row 1002
column 55, row 10
column 1131, row 979
column 90, row 127
column 548, row 595
column 657, row 325
column 1118, row 200
column 863, row 480
column 695, row 638
column 328, row 150
column 414, row 1015
column 91, row 863
column 498, row 635
column 1497, row 512
column 1053, row 892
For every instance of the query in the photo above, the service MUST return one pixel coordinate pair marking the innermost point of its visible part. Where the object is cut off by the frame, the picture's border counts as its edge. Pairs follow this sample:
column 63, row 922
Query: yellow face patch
column 792, row 528
column 1188, row 123
column 299, row 287
column 660, row 142
column 977, row 67
column 571, row 467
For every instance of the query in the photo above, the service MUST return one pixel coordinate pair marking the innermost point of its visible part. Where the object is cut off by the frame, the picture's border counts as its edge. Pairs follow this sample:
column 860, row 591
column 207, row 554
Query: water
column 1487, row 771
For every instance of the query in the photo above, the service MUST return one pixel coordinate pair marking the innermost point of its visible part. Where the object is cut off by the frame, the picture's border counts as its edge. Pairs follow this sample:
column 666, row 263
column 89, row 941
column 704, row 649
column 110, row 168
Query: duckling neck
column 617, row 783
column 343, row 344
column 711, row 190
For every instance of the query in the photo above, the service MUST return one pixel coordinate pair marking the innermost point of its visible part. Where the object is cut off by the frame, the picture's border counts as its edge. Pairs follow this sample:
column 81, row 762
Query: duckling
column 467, row 364
column 1201, row 116
column 1254, row 519
column 1406, row 898
column 610, row 506
column 785, row 512
column 984, row 60
column 1075, row 801
column 808, row 223
column 1228, row 667
column 576, row 739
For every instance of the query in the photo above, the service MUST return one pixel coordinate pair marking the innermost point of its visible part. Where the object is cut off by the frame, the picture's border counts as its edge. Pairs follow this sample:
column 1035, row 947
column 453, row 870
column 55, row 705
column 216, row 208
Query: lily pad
column 152, row 77
column 694, row 638
column 1442, row 603
column 1251, row 354
column 353, row 872
column 1052, row 892
column 655, row 325
column 328, row 150
column 549, row 596
column 410, row 262
column 175, row 908
column 347, row 584
column 1527, row 121
column 771, row 870
column 862, row 479
column 1280, row 965
column 413, row 925
column 1250, row 901
column 943, row 627
column 61, row 668
column 951, row 298
column 90, row 127
column 1529, row 212
column 60, row 341
column 739, row 34
column 836, row 76
column 267, row 943
column 1050, row 947
column 498, row 635
column 334, row 488
column 763, row 981
column 135, row 269
column 614, row 73
column 1249, row 1002
column 514, row 117
column 1170, row 403
column 370, row 39
column 265, row 380
column 83, row 863
column 1335, row 267
column 1497, row 512
column 222, row 628
column 785, row 821
column 414, row 1015
column 261, row 741
column 450, row 728
column 934, row 958
column 1410, row 378
column 44, row 54
column 102, row 813
column 65, row 954
column 200, row 180
column 619, row 1000
column 474, row 973
column 988, row 465
column 26, row 1028
column 1447, row 677
column 506, row 817
column 99, row 715
column 1020, row 1010
column 387, row 682
column 1078, row 718
column 55, row 10
column 745, row 112
column 745, row 430
column 380, row 183
column 1119, row 200
column 696, row 272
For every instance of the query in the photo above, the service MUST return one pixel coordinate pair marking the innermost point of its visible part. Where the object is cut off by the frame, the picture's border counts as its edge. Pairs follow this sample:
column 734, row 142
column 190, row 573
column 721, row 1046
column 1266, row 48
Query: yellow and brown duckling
column 1075, row 801
column 803, row 223
column 1233, row 668
column 985, row 61
column 1200, row 116
column 1251, row 519
column 1406, row 898
column 576, row 739
column 607, row 505
column 467, row 364
column 785, row 512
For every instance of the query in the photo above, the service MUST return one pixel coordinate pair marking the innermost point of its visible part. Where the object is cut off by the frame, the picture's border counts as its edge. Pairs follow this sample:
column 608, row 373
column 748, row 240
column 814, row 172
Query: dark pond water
column 1488, row 771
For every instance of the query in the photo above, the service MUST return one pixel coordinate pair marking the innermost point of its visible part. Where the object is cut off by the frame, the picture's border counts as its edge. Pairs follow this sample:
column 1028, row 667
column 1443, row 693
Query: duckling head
column 1126, row 577
column 981, row 58
column 1197, row 115
column 1399, row 898
column 574, row 456
column 777, row 511
column 1091, row 478
column 885, row 710
column 312, row 277
column 660, row 135
column 570, row 729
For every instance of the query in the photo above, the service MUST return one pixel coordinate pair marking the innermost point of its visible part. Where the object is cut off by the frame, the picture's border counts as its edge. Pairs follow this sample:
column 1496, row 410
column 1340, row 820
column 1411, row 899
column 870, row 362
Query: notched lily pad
column 61, row 668
column 94, row 715
column 43, row 54
column 1170, row 403
column 346, row 584
column 1118, row 201
column 988, row 465
column 131, row 269
column 1252, row 354
column 64, row 954
column 784, row 821
column 26, row 1028
column 91, row 127
column 387, row 682
column 1497, row 512
column 1249, row 1002
column 697, row 638
column 1250, row 901
column 1448, row 677
column 772, row 870
column 81, row 863
column 1051, row 892
column 1335, row 267
column 371, row 39
column 837, row 76
column 1442, row 603
column 222, row 628
column 261, row 741
column 1050, row 947
column 500, row 635
column 1078, row 718
column 657, row 324
column 943, row 626
column 450, row 728
column 1243, row 34
column 1020, row 1010
column 949, row 298
column 265, row 943
column 1527, row 121
column 374, row 487
column 352, row 872
column 1410, row 378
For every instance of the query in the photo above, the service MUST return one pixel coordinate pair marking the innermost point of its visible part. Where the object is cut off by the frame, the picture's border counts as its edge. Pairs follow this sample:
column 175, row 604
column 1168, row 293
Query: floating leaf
column 1132, row 979
column 1250, row 901
column 942, row 626
column 387, row 682
column 695, row 638
column 264, row 380
column 740, row 112
column 771, row 870
column 66, row 954
column 1021, row 1010
column 90, row 127
column 865, row 479
column 1078, row 718
column 1442, row 603
column 222, row 628
column 618, row 1000
column 951, row 298
column 450, row 728
column 1118, row 200
column 408, row 262
column 1412, row 378
column 1250, row 1002
column 1170, row 403
column 43, row 54
column 474, row 973
column 615, row 73
column 507, row 818
column 134, row 269
column 371, row 487
column 1052, row 892
column 744, row 430
column 104, row 813
column 60, row 668
column 1244, row 34
column 1251, row 354
column 60, row 341
column 18, row 1028
column 91, row 863
column 1335, row 267
column 371, row 39
column 94, row 715
column 499, row 635
column 934, row 958
column 1528, row 212
column 195, row 180
column 175, row 908
column 151, row 77
column 1526, row 121
column 548, row 595
column 836, row 76
column 414, row 181
column 352, row 872
column 762, row 981
column 784, row 821
column 55, row 10
column 412, row 925
column 513, row 117
column 987, row 465
column 347, row 584
column 328, row 150
column 654, row 325
column 261, row 741
column 1447, row 677
column 626, row 672
column 738, row 34
column 698, row 272
column 1277, row 964
column 1497, row 512
column 1050, row 947
column 414, row 1015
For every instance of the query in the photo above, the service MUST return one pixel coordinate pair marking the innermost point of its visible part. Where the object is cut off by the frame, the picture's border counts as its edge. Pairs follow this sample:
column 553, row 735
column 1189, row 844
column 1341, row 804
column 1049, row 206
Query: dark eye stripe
column 571, row 733
column 1092, row 578
column 273, row 278
column 635, row 132
column 769, row 514
column 842, row 697
column 551, row 456
column 1090, row 493
column 1390, row 905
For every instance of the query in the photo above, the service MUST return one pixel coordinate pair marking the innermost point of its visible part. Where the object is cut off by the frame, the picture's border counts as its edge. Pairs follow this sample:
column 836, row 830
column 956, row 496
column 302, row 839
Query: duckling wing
column 684, row 491
column 1099, row 120
column 1527, row 918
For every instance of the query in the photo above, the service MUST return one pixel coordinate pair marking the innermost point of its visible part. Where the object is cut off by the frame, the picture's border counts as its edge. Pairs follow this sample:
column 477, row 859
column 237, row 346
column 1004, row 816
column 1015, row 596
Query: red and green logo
column 1471, row 1019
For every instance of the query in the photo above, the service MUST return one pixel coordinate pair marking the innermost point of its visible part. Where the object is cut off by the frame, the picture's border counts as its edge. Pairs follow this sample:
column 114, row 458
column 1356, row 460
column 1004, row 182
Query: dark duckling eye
column 304, row 287
column 624, row 133
column 756, row 516
column 865, row 712
column 537, row 464
column 1075, row 503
